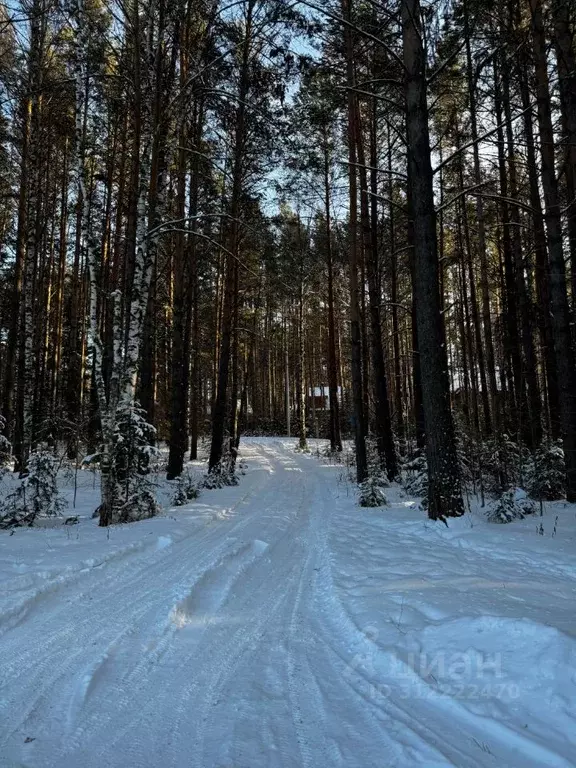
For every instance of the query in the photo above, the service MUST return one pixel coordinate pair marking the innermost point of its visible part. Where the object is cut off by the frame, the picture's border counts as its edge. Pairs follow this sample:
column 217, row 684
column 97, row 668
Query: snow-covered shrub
column 218, row 479
column 187, row 489
column 332, row 456
column 125, row 461
column 376, row 473
column 466, row 451
column 35, row 495
column 5, row 447
column 513, row 504
column 133, row 441
column 302, row 447
column 501, row 461
column 133, row 453
column 212, row 481
column 416, row 476
column 224, row 474
column 370, row 493
column 545, row 473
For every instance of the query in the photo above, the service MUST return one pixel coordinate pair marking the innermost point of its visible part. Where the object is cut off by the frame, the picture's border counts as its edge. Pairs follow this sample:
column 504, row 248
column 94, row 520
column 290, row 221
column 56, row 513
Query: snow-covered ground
column 278, row 624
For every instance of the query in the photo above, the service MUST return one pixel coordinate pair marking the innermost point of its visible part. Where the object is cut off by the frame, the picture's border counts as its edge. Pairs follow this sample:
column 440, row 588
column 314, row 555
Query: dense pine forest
column 287, row 383
column 350, row 219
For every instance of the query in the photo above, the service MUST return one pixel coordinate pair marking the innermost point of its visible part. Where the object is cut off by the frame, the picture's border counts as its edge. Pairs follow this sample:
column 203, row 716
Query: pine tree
column 36, row 493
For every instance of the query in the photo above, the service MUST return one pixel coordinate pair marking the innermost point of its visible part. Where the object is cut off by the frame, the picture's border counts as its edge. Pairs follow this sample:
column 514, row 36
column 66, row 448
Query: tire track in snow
column 55, row 659
column 132, row 686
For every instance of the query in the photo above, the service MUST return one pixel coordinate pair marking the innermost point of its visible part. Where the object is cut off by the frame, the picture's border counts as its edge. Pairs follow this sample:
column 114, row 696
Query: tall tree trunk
column 532, row 432
column 355, row 320
column 444, row 496
column 335, row 433
column 491, row 409
column 417, row 401
column 192, row 337
column 558, row 294
column 180, row 362
column 9, row 407
column 220, row 404
column 383, row 421
column 398, row 399
column 544, row 315
column 179, row 394
column 563, row 18
column 512, row 348
column 301, row 365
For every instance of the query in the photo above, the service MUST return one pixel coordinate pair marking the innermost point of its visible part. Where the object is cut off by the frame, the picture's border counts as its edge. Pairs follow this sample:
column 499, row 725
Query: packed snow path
column 275, row 624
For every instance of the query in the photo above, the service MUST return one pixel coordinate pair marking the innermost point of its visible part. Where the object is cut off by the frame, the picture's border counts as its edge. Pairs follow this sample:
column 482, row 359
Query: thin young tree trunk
column 234, row 440
column 468, row 260
column 12, row 363
column 287, row 378
column 192, row 340
column 355, row 320
column 384, row 435
column 335, row 433
column 365, row 354
column 29, row 214
column 490, row 412
column 301, row 366
column 29, row 357
column 468, row 342
column 398, row 407
column 533, row 427
column 58, row 332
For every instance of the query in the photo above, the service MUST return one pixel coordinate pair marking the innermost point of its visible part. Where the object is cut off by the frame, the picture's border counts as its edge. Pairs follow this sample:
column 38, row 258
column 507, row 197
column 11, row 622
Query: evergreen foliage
column 416, row 476
column 370, row 493
column 36, row 493
column 502, row 460
column 545, row 473
column 223, row 474
column 140, row 260
column 125, row 465
column 187, row 489
column 5, row 447
column 511, row 505
column 376, row 472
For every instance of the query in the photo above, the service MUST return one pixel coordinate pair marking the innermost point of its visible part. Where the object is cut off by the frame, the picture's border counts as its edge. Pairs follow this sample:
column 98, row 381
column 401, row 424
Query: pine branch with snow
column 545, row 473
column 126, row 466
column 187, row 489
column 370, row 493
column 5, row 447
column 512, row 505
column 416, row 476
column 375, row 469
column 36, row 494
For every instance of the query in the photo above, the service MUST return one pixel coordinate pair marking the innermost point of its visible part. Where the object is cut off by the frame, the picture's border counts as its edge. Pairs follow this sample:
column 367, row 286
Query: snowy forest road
column 229, row 648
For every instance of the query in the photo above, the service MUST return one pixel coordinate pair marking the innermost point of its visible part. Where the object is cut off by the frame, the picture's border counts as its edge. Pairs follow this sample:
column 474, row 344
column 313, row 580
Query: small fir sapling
column 545, row 474
column 512, row 505
column 36, row 494
column 187, row 489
